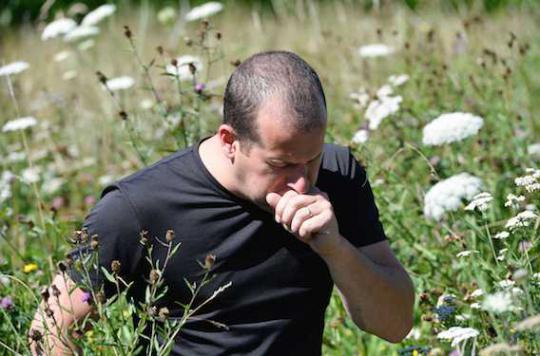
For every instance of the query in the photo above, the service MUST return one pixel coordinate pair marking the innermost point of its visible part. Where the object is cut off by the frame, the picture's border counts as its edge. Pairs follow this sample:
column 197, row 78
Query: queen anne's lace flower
column 501, row 235
column 397, row 80
column 205, row 10
column 13, row 68
column 513, row 201
column 57, row 28
column 80, row 33
column 522, row 219
column 381, row 108
column 451, row 127
column 361, row 136
column 120, row 83
column 375, row 50
column 19, row 124
column 531, row 181
column 480, row 202
column 458, row 334
column 447, row 195
column 534, row 149
column 360, row 97
column 497, row 303
column 182, row 67
column 97, row 15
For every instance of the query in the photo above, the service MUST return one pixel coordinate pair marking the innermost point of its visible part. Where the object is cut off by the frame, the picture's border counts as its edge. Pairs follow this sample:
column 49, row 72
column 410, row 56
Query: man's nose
column 298, row 180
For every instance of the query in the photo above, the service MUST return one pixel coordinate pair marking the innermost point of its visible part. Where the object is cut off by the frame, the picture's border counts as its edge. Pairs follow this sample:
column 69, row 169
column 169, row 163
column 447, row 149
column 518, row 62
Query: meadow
column 441, row 105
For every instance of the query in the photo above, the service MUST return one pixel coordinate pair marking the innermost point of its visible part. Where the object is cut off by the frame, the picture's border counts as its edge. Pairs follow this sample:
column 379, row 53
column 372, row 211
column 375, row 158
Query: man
column 285, row 216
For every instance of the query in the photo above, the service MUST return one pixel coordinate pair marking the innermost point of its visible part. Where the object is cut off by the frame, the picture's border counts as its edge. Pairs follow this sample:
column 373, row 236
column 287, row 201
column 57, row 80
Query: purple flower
column 6, row 303
column 89, row 200
column 86, row 298
column 199, row 87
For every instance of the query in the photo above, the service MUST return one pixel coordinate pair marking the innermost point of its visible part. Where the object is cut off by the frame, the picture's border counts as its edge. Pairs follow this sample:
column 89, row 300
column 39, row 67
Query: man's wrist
column 332, row 248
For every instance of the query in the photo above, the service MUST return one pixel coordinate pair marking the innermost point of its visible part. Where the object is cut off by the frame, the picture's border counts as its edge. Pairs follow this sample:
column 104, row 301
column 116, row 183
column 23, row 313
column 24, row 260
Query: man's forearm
column 379, row 298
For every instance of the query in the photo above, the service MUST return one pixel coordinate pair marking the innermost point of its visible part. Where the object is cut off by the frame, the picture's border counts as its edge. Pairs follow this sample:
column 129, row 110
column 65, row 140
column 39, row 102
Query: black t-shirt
column 280, row 287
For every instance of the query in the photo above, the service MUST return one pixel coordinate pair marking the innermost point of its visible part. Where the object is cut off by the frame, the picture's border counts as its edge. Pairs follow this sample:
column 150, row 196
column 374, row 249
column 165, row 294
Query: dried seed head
column 100, row 297
column 236, row 62
column 62, row 267
column 144, row 237
column 127, row 32
column 49, row 312
column 154, row 276
column 35, row 335
column 205, row 24
column 152, row 311
column 55, row 290
column 174, row 62
column 115, row 266
column 169, row 235
column 209, row 261
column 69, row 260
column 84, row 235
column 192, row 68
column 218, row 36
column 427, row 318
column 188, row 41
column 101, row 77
column 123, row 115
column 94, row 243
column 45, row 294
column 159, row 50
column 163, row 313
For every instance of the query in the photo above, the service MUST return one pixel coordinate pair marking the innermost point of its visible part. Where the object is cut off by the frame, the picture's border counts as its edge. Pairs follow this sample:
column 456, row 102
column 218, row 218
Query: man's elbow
column 399, row 333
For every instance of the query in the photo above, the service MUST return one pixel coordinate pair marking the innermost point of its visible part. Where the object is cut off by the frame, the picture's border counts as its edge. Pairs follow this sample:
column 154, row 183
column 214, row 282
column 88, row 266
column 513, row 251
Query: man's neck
column 216, row 163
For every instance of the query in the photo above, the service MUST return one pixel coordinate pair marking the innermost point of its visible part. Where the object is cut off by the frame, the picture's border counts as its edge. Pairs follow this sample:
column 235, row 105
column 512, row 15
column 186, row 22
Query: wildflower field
column 441, row 105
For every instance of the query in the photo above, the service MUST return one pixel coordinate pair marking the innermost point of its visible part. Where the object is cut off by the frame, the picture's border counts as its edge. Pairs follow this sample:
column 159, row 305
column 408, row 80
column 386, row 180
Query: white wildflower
column 516, row 292
column 531, row 207
column 476, row 306
column 360, row 97
column 120, row 83
column 69, row 75
column 381, row 108
column 182, row 68
column 15, row 157
column 531, row 181
column 80, row 33
column 458, row 334
column 446, row 299
column 534, row 149
column 5, row 185
column 446, row 195
column 31, row 175
column 375, row 50
column 52, row 185
column 397, row 80
column 480, row 202
column 506, row 283
column 167, row 15
column 466, row 253
column 57, row 28
column 146, row 104
column 105, row 180
column 385, row 90
column 501, row 235
column 19, row 124
column 463, row 317
column 502, row 254
column 520, row 275
column 497, row 303
column 414, row 334
column 513, row 200
column 13, row 68
column 522, row 219
column 451, row 127
column 86, row 45
column 62, row 56
column 361, row 136
column 532, row 322
column 97, row 15
column 205, row 10
column 477, row 293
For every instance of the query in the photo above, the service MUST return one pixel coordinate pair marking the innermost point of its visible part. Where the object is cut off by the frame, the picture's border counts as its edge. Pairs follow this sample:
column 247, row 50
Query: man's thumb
column 272, row 199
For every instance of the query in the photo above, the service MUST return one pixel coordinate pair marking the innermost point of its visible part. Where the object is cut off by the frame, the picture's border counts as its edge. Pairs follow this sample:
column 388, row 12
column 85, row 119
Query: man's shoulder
column 336, row 158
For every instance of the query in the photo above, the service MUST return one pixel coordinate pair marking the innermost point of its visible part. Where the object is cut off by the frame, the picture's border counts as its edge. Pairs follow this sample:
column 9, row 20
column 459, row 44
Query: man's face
column 284, row 159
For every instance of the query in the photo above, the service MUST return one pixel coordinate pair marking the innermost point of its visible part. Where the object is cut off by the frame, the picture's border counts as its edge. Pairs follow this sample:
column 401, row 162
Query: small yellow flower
column 30, row 267
column 415, row 353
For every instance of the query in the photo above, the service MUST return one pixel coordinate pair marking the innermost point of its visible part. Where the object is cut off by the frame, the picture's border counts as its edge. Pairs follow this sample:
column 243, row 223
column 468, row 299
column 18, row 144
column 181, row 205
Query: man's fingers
column 282, row 204
column 294, row 206
column 303, row 214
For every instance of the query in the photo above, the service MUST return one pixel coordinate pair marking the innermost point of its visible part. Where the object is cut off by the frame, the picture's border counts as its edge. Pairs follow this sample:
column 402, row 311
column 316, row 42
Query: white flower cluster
column 531, row 181
column 534, row 149
column 480, row 202
column 451, row 127
column 499, row 302
column 513, row 201
column 5, row 185
column 181, row 70
column 458, row 334
column 58, row 28
column 19, row 124
column 361, row 136
column 13, row 68
column 501, row 235
column 97, row 15
column 80, row 33
column 375, row 50
column 120, row 83
column 203, row 11
column 522, row 219
column 447, row 195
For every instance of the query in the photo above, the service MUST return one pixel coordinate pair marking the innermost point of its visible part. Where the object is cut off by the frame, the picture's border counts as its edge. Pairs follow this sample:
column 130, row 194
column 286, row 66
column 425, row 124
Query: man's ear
column 228, row 140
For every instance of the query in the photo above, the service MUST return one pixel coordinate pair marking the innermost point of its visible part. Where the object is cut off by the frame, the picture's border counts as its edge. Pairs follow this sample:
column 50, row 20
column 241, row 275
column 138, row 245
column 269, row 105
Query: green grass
column 85, row 139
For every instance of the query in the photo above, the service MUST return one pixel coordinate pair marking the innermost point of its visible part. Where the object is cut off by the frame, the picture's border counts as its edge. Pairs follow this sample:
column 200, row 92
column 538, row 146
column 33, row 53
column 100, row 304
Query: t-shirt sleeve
column 114, row 225
column 352, row 198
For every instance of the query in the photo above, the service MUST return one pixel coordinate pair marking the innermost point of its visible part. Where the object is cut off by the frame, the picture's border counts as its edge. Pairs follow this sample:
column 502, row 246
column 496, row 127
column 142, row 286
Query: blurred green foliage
column 13, row 12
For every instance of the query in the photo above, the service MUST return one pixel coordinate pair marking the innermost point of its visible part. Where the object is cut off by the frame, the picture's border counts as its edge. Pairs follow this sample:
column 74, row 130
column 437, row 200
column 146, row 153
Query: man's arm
column 376, row 289
column 62, row 305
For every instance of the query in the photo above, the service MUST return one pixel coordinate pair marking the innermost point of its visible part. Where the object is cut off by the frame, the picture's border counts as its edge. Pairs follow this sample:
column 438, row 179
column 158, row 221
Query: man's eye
column 278, row 164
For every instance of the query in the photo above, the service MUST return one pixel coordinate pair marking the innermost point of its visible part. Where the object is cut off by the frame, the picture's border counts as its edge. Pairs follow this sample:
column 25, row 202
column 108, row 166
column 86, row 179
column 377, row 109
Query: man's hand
column 310, row 217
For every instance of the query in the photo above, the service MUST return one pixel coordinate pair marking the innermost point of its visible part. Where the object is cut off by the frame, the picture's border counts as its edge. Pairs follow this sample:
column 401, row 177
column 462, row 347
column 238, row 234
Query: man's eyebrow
column 284, row 160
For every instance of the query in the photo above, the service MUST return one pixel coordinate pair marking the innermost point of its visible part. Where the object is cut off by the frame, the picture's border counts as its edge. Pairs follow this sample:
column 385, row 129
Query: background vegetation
column 458, row 58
